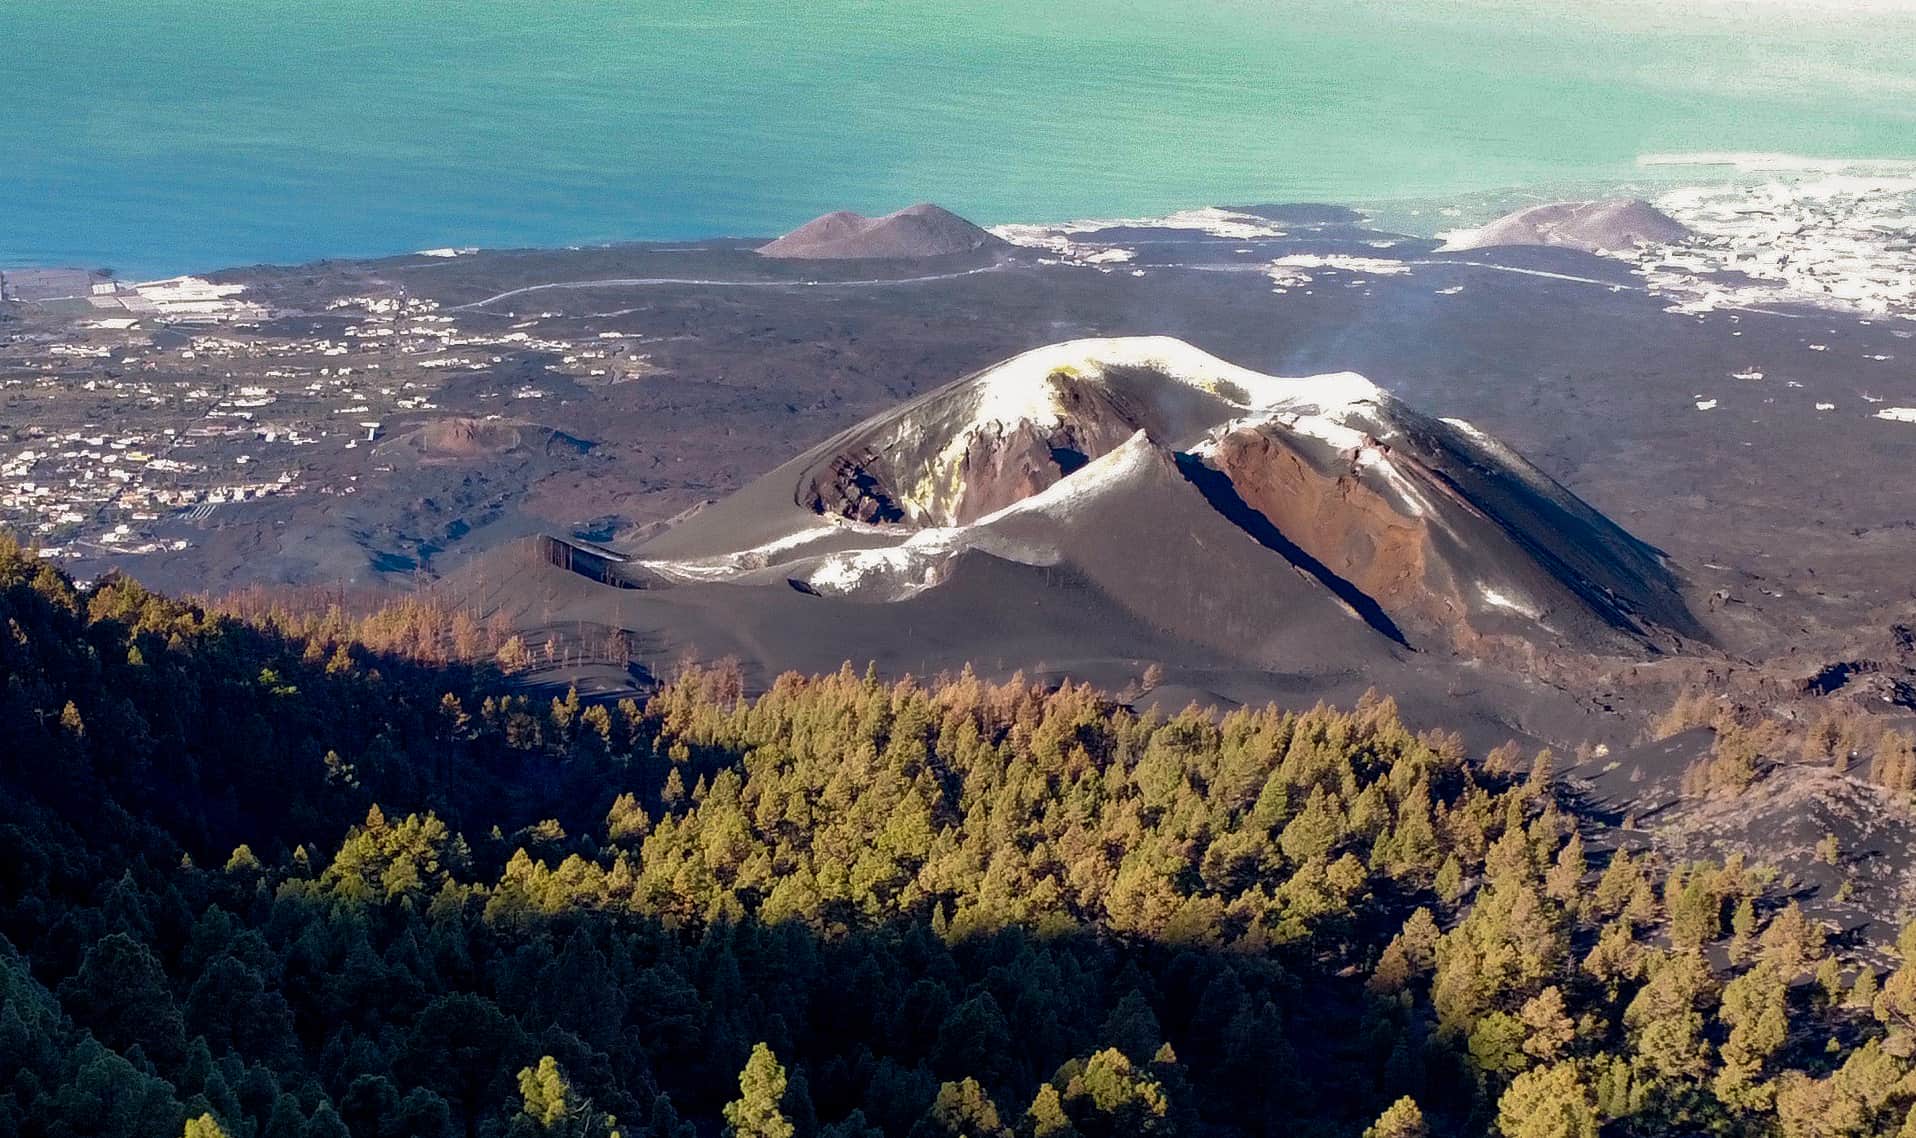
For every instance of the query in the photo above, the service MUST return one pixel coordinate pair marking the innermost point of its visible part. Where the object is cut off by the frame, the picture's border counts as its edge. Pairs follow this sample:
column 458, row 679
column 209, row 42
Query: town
column 132, row 415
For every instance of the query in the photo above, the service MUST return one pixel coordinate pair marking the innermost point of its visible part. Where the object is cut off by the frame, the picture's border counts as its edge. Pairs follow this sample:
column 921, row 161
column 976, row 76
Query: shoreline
column 1444, row 208
column 1649, row 172
column 1766, row 230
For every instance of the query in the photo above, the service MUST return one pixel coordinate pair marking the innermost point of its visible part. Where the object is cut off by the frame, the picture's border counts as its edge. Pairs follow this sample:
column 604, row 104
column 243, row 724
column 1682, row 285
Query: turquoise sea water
column 166, row 135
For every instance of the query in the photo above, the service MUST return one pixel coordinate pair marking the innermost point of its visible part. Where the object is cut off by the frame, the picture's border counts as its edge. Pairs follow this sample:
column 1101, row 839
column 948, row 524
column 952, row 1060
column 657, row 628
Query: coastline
column 1426, row 214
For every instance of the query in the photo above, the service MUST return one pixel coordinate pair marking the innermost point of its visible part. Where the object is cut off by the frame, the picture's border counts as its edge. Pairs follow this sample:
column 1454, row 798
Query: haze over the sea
column 164, row 135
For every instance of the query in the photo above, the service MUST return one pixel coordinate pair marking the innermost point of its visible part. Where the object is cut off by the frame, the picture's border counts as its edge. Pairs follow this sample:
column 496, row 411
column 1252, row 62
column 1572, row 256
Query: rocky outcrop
column 1342, row 523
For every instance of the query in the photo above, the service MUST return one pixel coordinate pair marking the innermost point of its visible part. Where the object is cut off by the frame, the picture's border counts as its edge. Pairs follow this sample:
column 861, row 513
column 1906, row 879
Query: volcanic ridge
column 922, row 230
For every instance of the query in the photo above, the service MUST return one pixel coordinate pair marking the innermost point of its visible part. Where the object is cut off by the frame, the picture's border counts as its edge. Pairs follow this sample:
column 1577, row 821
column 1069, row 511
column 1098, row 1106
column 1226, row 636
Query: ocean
column 161, row 136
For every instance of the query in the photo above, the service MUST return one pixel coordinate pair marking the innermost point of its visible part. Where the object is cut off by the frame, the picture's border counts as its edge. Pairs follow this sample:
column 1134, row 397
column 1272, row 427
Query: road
column 637, row 282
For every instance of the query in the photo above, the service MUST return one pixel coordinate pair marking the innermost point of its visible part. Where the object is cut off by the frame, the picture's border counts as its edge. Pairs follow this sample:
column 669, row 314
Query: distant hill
column 1594, row 227
column 922, row 230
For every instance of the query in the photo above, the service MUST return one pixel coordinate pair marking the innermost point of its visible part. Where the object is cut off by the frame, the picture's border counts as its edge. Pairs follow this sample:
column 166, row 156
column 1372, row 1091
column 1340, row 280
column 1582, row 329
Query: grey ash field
column 601, row 394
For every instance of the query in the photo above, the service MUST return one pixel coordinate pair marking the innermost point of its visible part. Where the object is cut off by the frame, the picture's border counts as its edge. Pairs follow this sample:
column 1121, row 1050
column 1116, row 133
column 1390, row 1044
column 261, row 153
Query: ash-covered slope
column 1216, row 504
column 922, row 230
column 1594, row 227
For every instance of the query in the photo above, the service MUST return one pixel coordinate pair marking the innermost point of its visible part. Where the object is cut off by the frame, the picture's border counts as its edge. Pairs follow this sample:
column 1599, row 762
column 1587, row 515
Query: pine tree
column 1564, row 882
column 121, row 993
column 756, row 1112
column 1401, row 1120
column 1547, row 1021
column 1793, row 941
column 663, row 1121
column 1046, row 1117
column 961, row 1110
column 325, row 1123
column 1862, row 994
column 1829, row 977
column 1756, row 1008
column 1114, row 1097
column 1742, row 930
column 1132, row 1027
column 286, row 1120
column 546, row 1093
column 1547, row 1102
column 626, row 821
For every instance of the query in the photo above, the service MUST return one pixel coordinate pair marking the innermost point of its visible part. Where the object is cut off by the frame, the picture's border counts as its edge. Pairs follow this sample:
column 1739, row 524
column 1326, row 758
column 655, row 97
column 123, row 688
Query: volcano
column 922, row 230
column 1215, row 504
column 1610, row 226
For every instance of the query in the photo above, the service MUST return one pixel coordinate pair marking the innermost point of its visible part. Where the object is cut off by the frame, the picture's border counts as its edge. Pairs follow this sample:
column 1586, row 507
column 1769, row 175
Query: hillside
column 270, row 881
